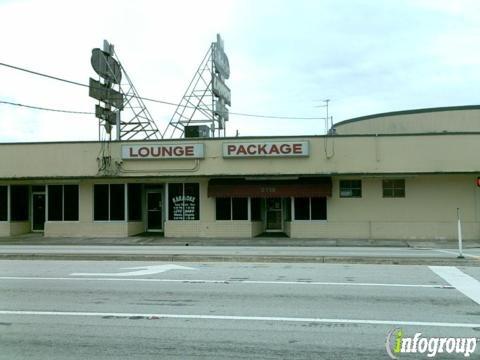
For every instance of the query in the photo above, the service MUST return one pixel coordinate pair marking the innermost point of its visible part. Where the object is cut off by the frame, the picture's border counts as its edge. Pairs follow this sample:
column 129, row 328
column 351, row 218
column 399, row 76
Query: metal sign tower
column 202, row 112
column 117, row 98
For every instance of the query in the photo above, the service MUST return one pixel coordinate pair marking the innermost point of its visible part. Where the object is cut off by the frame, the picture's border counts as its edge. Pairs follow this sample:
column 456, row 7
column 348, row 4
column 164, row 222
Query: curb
column 248, row 258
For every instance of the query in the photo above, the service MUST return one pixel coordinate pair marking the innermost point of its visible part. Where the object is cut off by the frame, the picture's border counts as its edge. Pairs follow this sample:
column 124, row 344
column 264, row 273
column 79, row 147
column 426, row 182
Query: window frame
column 397, row 192
column 125, row 208
column 294, row 217
column 230, row 201
column 47, row 193
column 169, row 207
column 351, row 188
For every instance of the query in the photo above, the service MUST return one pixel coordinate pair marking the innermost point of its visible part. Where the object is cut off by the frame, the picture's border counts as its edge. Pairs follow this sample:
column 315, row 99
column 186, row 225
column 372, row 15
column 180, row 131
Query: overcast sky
column 285, row 56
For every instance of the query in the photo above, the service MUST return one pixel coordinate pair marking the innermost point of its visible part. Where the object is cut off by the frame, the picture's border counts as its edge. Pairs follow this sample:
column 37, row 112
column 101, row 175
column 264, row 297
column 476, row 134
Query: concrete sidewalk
column 148, row 248
column 155, row 240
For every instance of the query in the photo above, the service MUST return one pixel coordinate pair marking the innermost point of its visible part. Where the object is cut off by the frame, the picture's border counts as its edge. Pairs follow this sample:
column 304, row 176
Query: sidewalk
column 150, row 248
column 155, row 240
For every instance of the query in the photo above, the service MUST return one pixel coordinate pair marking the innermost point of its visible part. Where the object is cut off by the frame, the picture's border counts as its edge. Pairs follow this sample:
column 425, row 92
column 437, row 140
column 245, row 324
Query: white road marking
column 141, row 270
column 241, row 318
column 456, row 253
column 200, row 281
column 461, row 281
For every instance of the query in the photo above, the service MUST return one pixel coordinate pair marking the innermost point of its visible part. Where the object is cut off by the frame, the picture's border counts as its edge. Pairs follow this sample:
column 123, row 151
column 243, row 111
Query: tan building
column 390, row 176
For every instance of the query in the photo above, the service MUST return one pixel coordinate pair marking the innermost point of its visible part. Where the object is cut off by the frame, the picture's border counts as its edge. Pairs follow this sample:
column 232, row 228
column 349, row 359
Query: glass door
column 154, row 211
column 38, row 211
column 274, row 214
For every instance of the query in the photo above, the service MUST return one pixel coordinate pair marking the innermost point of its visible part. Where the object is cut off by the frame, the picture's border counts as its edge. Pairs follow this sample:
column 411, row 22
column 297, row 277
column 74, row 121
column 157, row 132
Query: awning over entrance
column 301, row 187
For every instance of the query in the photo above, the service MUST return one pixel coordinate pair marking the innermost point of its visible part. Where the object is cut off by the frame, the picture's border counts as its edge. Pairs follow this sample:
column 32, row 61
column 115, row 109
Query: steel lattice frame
column 198, row 103
column 136, row 122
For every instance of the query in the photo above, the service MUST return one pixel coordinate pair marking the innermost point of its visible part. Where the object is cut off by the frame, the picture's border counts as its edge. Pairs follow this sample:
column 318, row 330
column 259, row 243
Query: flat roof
column 408, row 112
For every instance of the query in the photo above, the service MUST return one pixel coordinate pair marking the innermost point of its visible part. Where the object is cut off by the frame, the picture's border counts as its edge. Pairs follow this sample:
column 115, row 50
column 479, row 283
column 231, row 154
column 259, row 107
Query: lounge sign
column 162, row 151
column 266, row 149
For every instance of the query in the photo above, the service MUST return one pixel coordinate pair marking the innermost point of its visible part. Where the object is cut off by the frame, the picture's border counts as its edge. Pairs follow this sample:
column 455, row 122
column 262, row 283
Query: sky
column 286, row 57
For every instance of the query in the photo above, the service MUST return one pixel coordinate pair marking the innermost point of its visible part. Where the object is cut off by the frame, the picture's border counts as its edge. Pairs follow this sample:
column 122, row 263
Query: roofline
column 240, row 139
column 408, row 112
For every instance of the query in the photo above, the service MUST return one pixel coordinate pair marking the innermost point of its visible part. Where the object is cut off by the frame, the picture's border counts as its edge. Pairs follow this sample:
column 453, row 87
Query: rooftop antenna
column 136, row 122
column 202, row 112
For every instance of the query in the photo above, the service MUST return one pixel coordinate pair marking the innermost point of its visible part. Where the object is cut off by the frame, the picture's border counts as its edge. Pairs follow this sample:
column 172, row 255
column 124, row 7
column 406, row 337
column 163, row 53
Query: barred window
column 351, row 188
column 394, row 188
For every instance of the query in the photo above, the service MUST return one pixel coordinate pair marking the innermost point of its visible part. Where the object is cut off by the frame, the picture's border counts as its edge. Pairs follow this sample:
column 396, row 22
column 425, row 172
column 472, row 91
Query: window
column 288, row 208
column 63, row 202
column 109, row 202
column 394, row 188
column 256, row 209
column 3, row 203
column 223, row 208
column 232, row 208
column 314, row 208
column 302, row 208
column 351, row 188
column 19, row 202
column 318, row 208
column 134, row 202
column 184, row 201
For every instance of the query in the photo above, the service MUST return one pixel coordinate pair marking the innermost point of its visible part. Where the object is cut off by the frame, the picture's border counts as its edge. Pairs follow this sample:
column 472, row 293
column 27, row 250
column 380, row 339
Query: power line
column 139, row 97
column 46, row 109
column 44, row 75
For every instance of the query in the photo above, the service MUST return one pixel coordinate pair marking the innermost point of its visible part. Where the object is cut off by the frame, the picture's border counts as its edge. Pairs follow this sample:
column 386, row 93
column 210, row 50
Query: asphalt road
column 139, row 310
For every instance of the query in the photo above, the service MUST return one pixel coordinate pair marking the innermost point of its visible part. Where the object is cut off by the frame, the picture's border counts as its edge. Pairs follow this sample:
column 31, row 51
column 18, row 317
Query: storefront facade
column 387, row 185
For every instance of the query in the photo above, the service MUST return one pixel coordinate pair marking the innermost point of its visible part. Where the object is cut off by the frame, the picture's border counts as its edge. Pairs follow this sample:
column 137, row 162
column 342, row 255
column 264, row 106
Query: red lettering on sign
column 166, row 151
column 285, row 149
column 157, row 153
column 132, row 154
column 189, row 150
column 178, row 151
column 297, row 149
column 231, row 149
column 143, row 152
column 274, row 150
column 241, row 150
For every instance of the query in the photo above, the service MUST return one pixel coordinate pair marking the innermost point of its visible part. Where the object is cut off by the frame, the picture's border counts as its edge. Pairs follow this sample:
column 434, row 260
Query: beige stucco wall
column 332, row 155
column 455, row 120
column 4, row 228
column 428, row 211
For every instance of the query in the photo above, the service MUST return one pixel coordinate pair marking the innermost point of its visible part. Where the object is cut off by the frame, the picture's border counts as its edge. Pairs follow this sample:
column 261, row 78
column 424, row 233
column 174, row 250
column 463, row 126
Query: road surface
column 126, row 310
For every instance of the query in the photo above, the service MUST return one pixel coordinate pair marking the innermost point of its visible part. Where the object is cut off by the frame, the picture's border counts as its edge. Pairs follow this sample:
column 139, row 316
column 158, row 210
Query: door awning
column 301, row 187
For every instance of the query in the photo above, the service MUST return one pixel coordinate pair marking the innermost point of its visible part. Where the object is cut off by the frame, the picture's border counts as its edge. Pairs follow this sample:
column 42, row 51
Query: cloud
column 366, row 56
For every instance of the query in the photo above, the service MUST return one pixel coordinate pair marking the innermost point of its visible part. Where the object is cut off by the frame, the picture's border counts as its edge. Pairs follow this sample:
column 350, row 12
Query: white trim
column 243, row 318
column 464, row 283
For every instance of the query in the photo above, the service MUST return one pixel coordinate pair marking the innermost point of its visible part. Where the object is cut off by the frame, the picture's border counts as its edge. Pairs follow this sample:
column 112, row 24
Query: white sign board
column 266, row 149
column 162, row 151
column 221, row 90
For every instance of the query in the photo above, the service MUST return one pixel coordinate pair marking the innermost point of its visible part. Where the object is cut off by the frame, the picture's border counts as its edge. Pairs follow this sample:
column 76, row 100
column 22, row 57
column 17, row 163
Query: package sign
column 266, row 149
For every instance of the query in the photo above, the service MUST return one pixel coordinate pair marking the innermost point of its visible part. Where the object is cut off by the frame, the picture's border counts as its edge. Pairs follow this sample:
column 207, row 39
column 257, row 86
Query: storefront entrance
column 154, row 210
column 38, row 211
column 274, row 215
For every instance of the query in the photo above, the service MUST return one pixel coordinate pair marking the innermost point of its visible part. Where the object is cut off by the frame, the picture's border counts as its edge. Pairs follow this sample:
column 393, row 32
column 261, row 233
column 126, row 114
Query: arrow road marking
column 141, row 270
